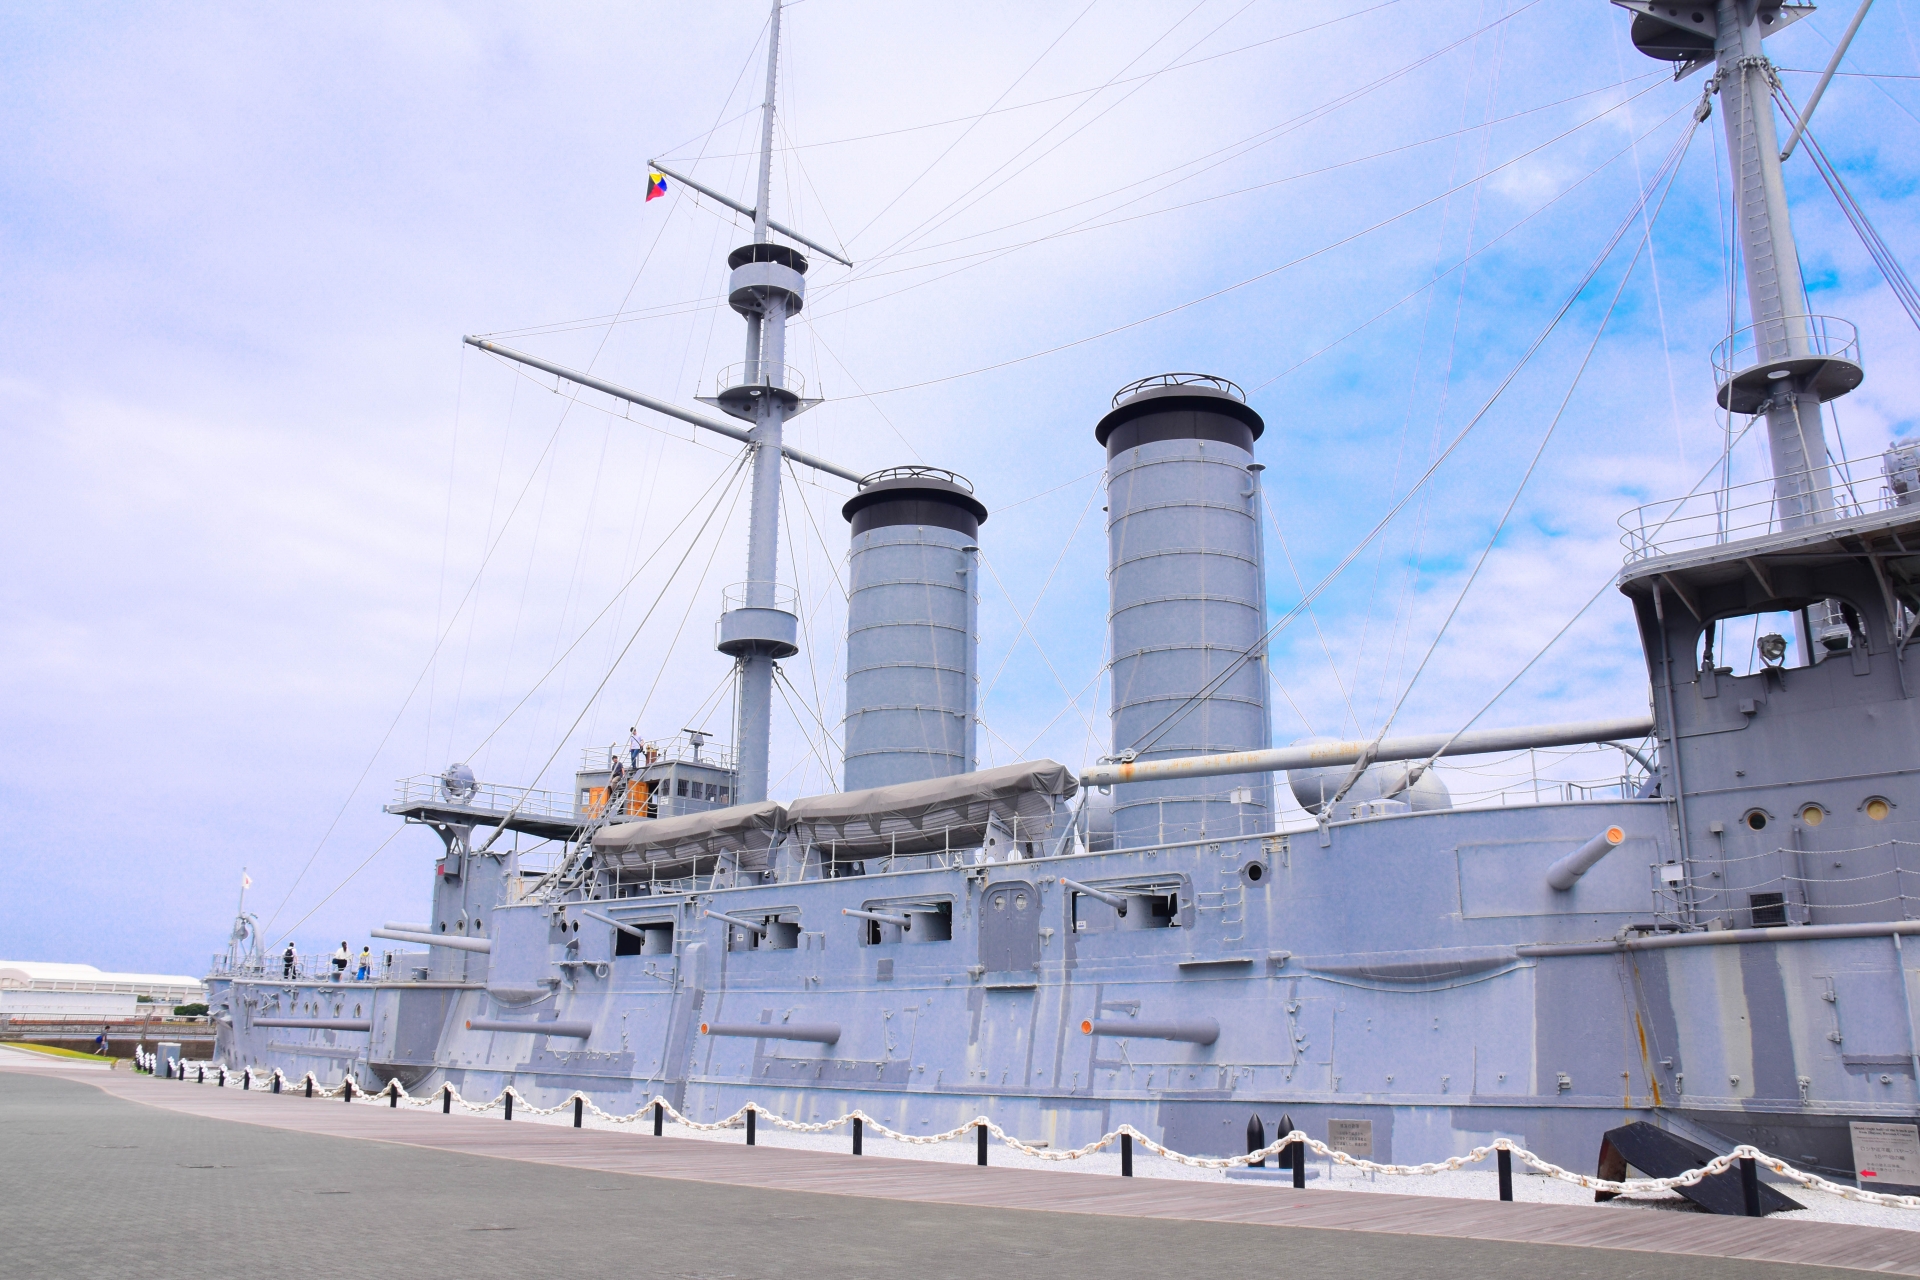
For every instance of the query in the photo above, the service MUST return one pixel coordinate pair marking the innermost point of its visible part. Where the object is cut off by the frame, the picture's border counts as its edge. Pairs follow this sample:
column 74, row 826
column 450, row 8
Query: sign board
column 1354, row 1137
column 1884, row 1153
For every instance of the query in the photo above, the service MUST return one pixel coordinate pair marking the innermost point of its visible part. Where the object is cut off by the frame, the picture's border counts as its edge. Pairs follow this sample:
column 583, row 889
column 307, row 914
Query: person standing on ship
column 634, row 747
column 288, row 963
column 366, row 964
column 340, row 959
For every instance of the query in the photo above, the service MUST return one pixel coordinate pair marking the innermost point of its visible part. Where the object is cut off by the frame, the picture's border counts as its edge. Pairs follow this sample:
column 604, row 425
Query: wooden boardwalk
column 1873, row 1249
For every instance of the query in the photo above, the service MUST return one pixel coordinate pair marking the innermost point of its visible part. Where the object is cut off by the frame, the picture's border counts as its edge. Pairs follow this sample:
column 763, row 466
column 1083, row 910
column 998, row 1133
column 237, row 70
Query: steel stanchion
column 750, row 1114
column 1126, row 1155
column 1750, row 1186
column 579, row 1109
column 857, row 1127
column 659, row 1117
column 446, row 1099
column 1506, row 1174
column 980, row 1145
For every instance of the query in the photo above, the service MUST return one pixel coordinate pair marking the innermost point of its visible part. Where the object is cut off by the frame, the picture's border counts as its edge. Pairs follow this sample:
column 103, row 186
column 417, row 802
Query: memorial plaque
column 1886, row 1153
column 1355, row 1137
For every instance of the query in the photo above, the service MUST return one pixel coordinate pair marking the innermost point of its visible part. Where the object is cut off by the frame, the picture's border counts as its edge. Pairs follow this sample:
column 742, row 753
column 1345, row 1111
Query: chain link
column 394, row 1093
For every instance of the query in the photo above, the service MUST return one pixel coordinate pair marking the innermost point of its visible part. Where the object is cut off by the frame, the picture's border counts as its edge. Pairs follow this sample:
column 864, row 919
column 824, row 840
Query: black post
column 393, row 1094
column 246, row 1080
column 221, row 1083
column 1126, row 1155
column 1299, row 1150
column 509, row 1097
column 446, row 1099
column 203, row 1076
column 309, row 1084
column 1750, row 1186
column 579, row 1109
column 856, row 1135
column 1506, row 1174
column 659, row 1117
column 276, row 1082
column 751, row 1113
column 980, row 1145
column 346, row 1088
column 1256, row 1139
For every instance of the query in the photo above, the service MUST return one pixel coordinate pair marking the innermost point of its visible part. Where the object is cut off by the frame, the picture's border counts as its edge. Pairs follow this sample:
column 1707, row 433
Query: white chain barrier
column 395, row 1094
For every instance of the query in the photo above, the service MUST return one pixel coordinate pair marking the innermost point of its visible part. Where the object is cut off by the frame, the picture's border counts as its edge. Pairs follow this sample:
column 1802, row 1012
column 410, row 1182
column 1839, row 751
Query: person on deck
column 340, row 959
column 366, row 964
column 634, row 747
column 287, row 963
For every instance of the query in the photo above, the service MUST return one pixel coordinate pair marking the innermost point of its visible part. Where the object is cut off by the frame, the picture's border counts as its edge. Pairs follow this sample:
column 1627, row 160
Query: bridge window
column 1744, row 645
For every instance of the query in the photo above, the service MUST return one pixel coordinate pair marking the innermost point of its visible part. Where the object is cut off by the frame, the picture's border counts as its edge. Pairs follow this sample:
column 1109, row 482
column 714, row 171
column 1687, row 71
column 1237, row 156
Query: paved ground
column 95, row 1185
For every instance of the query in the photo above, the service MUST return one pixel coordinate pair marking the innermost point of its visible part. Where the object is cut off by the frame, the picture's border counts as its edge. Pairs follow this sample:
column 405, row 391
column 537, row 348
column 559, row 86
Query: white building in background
column 32, row 988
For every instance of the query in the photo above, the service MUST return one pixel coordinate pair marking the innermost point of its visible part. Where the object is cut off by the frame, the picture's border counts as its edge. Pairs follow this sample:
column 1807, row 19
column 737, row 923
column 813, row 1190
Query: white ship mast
column 759, row 624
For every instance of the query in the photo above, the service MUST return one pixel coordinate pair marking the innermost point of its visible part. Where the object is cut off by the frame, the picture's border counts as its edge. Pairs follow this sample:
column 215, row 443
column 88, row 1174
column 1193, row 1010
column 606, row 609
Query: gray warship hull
column 1718, row 949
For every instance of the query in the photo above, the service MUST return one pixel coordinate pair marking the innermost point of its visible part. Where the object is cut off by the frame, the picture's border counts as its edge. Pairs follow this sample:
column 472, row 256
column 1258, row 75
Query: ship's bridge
column 1729, row 550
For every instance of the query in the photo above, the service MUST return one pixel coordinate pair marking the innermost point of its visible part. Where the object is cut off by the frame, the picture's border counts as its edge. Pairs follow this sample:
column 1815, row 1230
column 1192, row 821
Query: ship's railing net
column 395, row 1094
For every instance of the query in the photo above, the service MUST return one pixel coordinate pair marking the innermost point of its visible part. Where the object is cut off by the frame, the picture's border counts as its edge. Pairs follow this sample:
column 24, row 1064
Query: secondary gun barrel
column 751, row 926
column 318, row 1024
column 815, row 1032
column 1563, row 874
column 904, row 922
column 454, row 941
column 1192, row 1031
column 566, row 1030
column 1113, row 900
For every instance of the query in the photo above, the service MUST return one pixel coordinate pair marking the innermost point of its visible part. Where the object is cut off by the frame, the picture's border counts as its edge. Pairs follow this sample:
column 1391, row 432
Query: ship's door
column 1010, row 928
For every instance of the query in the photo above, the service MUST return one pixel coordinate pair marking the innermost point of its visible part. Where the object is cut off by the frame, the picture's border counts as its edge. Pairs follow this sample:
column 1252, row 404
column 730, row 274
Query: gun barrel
column 904, row 922
column 565, row 1030
column 815, row 1032
column 1192, row 1031
column 1563, row 874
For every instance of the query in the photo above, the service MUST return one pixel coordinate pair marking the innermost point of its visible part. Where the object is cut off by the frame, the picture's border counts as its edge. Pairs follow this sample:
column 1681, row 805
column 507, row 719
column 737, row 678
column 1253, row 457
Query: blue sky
column 254, row 477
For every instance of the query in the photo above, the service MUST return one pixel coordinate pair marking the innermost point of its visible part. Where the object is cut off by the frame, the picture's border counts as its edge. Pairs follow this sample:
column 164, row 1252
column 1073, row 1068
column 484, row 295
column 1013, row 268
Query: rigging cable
column 1399, row 505
column 1889, row 266
column 1258, row 276
column 1670, row 172
column 560, row 745
column 730, row 477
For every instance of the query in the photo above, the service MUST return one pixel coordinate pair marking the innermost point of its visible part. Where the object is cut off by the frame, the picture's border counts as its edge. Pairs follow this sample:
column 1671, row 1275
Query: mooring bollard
column 509, row 1098
column 1256, row 1139
column 446, row 1099
column 659, row 1117
column 980, row 1145
column 393, row 1094
column 856, row 1135
column 579, row 1109
column 1750, row 1186
column 750, row 1115
column 1126, row 1155
column 1506, row 1174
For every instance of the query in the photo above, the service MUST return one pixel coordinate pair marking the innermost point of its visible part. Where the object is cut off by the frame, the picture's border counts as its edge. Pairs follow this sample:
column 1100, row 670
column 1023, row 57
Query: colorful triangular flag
column 656, row 185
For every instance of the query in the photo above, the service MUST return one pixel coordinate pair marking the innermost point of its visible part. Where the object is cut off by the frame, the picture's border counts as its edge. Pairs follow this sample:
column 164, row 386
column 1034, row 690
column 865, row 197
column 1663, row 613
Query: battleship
column 1715, row 945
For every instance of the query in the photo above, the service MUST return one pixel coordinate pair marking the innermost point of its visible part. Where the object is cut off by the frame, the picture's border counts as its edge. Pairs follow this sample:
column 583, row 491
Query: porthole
column 1254, row 872
column 1878, row 809
column 1813, row 815
column 1755, row 820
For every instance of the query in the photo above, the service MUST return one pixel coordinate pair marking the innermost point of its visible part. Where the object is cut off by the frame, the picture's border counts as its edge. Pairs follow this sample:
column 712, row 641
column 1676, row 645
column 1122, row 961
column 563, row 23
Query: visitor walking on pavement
column 366, row 964
column 340, row 959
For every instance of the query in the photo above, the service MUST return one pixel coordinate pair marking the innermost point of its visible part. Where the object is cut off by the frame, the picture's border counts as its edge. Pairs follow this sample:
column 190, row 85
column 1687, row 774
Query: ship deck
column 487, row 1198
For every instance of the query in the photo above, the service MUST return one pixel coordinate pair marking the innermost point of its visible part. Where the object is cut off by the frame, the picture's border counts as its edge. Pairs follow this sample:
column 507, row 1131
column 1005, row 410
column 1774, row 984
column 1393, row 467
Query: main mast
column 767, row 286
column 1785, row 363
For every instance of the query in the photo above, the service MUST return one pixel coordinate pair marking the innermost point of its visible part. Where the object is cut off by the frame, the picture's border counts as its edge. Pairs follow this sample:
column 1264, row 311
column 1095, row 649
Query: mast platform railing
column 761, row 373
column 431, row 789
column 1843, row 489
